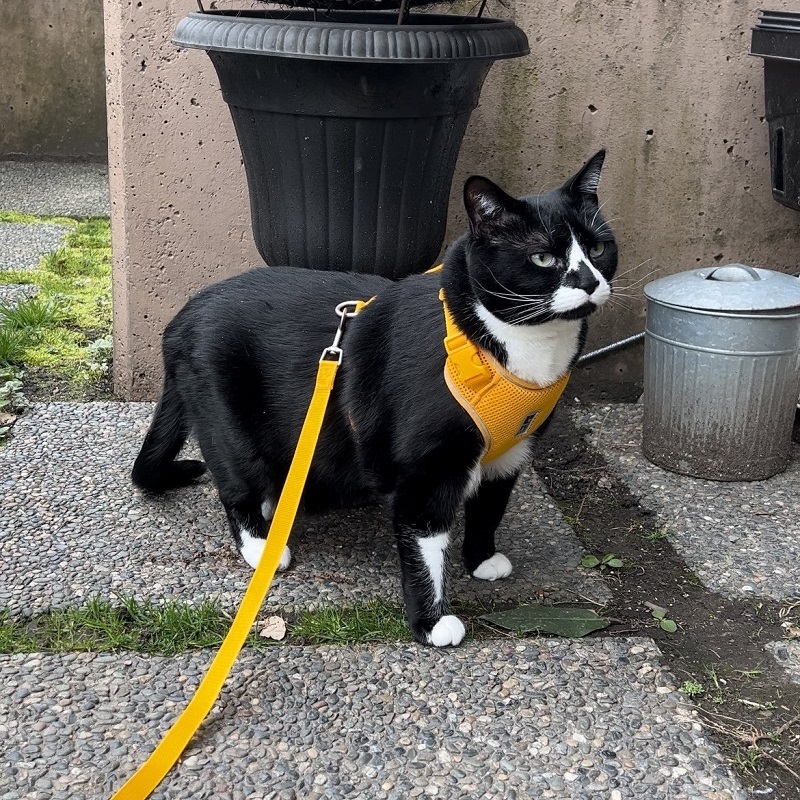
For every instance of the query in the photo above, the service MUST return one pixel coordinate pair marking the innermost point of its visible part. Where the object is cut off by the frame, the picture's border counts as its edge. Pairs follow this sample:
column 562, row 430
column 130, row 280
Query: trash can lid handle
column 733, row 273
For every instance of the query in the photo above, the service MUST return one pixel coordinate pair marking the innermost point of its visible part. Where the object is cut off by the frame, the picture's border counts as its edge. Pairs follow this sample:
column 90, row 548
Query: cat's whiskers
column 508, row 294
column 619, row 275
column 540, row 312
column 594, row 217
column 607, row 223
column 618, row 302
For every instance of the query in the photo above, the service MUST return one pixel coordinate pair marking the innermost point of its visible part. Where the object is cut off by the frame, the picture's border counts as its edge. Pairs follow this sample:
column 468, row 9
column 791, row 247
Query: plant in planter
column 350, row 122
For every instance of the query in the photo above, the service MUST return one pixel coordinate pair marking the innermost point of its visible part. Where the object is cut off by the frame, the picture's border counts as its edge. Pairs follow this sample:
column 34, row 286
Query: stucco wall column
column 179, row 210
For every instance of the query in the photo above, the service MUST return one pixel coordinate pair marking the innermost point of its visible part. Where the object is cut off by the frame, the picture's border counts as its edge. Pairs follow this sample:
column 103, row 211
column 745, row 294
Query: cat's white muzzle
column 567, row 298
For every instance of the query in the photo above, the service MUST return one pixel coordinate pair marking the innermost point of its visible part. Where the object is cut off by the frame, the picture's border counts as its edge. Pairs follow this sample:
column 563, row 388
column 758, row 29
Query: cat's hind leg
column 482, row 514
column 250, row 528
column 267, row 511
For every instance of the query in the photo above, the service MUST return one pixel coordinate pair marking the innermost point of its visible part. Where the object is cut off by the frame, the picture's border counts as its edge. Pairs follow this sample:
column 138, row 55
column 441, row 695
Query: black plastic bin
column 776, row 39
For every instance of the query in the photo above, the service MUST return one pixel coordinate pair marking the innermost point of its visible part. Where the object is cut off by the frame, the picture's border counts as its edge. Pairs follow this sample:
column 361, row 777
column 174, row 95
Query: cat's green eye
column 598, row 250
column 543, row 259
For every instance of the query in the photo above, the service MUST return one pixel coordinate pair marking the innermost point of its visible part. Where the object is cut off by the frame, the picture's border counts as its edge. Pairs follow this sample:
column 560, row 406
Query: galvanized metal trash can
column 721, row 372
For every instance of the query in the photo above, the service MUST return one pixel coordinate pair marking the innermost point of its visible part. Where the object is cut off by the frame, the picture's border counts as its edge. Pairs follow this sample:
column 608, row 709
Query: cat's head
column 543, row 257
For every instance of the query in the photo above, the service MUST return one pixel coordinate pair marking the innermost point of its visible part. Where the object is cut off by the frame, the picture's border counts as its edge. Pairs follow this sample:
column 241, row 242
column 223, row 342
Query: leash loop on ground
column 142, row 783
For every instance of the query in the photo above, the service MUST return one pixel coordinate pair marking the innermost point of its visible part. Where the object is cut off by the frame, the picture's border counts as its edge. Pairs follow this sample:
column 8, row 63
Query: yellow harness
column 506, row 409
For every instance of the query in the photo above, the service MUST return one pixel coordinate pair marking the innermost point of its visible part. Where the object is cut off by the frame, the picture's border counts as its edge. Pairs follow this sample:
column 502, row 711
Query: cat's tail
column 156, row 469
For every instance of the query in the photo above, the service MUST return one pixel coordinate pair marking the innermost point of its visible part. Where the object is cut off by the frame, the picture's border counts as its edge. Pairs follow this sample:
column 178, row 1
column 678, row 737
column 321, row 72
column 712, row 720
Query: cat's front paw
column 252, row 549
column 498, row 566
column 447, row 631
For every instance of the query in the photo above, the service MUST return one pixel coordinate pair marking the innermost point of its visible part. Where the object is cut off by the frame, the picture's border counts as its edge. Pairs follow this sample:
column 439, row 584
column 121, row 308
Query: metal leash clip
column 345, row 310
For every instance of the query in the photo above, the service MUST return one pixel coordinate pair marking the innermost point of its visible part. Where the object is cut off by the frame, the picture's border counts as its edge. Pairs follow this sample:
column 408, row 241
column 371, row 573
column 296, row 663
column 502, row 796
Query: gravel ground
column 741, row 538
column 787, row 654
column 22, row 245
column 13, row 293
column 543, row 719
column 54, row 189
column 72, row 525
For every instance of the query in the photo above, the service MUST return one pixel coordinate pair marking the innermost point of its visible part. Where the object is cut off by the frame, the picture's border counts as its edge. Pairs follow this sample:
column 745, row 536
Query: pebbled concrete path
column 742, row 538
column 23, row 244
column 64, row 481
column 543, row 719
column 54, row 189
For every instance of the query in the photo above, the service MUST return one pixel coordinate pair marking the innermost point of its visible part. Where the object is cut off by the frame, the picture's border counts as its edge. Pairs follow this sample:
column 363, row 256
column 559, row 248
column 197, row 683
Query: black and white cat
column 240, row 361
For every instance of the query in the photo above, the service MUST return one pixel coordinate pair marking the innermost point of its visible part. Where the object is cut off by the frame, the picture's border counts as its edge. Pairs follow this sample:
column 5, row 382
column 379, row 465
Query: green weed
column 32, row 314
column 693, row 689
column 13, row 344
column 372, row 621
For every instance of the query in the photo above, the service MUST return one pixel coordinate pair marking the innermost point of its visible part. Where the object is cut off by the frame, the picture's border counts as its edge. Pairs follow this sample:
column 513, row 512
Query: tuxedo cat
column 240, row 361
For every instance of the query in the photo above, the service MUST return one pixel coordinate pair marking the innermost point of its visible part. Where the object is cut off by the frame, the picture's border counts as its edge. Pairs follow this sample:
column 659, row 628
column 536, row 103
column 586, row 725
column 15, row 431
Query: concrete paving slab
column 787, row 654
column 72, row 525
column 11, row 294
column 537, row 719
column 54, row 189
column 22, row 245
column 741, row 538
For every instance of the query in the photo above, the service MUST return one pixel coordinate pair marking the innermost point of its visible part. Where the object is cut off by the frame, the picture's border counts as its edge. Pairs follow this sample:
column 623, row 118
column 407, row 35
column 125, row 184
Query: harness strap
column 504, row 408
column 142, row 783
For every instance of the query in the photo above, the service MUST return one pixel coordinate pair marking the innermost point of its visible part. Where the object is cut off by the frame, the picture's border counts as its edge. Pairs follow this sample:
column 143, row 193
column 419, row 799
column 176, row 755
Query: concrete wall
column 669, row 89
column 52, row 97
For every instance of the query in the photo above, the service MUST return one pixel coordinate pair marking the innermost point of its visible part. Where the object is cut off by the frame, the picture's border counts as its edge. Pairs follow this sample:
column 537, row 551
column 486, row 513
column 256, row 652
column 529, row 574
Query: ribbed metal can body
column 720, row 391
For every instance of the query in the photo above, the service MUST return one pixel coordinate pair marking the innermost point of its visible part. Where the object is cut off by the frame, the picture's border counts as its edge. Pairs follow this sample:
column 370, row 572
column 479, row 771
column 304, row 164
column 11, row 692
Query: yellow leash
column 142, row 783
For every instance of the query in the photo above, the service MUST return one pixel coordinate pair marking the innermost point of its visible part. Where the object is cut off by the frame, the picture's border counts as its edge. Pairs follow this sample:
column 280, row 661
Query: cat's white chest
column 538, row 354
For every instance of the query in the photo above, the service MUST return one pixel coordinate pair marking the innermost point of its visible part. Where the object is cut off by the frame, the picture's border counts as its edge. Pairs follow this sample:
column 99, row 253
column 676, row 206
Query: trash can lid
column 736, row 288
column 777, row 35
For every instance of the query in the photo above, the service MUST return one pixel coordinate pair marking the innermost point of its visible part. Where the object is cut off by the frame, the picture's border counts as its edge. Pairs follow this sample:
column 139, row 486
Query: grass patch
column 66, row 328
column 14, row 636
column 32, row 314
column 173, row 627
column 101, row 626
column 372, row 621
column 12, row 345
column 28, row 219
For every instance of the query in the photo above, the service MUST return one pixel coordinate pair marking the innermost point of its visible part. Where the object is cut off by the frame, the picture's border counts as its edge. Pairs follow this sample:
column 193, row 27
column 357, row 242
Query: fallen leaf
column 558, row 620
column 274, row 628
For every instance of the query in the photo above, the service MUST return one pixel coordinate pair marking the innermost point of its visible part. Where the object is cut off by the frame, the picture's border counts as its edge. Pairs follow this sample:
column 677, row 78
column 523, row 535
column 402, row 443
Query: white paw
column 253, row 547
column 498, row 566
column 286, row 559
column 448, row 630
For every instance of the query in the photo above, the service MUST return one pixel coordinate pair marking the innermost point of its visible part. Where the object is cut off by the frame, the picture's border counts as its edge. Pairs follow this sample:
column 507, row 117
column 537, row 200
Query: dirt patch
column 745, row 699
column 43, row 386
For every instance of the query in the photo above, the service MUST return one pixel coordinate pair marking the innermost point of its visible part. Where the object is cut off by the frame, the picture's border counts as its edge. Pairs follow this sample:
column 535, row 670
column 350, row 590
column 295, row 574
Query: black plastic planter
column 350, row 127
column 776, row 38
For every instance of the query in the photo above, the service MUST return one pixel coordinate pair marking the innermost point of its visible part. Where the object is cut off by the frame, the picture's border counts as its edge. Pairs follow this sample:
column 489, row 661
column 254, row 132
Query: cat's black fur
column 240, row 361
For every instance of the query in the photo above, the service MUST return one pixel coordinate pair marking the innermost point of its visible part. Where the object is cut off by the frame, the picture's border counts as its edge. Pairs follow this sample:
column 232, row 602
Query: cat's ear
column 489, row 208
column 586, row 181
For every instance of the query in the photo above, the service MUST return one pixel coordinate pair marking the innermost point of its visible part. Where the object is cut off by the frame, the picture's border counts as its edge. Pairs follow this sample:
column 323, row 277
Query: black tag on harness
column 526, row 424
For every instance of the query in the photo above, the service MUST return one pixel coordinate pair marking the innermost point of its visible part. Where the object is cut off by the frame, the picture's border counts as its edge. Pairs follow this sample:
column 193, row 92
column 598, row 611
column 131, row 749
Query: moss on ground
column 75, row 281
column 28, row 219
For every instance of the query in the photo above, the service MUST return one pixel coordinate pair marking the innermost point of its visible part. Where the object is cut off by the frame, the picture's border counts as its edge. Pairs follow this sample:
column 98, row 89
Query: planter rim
column 356, row 36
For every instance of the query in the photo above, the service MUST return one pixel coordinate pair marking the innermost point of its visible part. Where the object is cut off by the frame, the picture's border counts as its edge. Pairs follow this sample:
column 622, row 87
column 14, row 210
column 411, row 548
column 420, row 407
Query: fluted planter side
column 350, row 131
